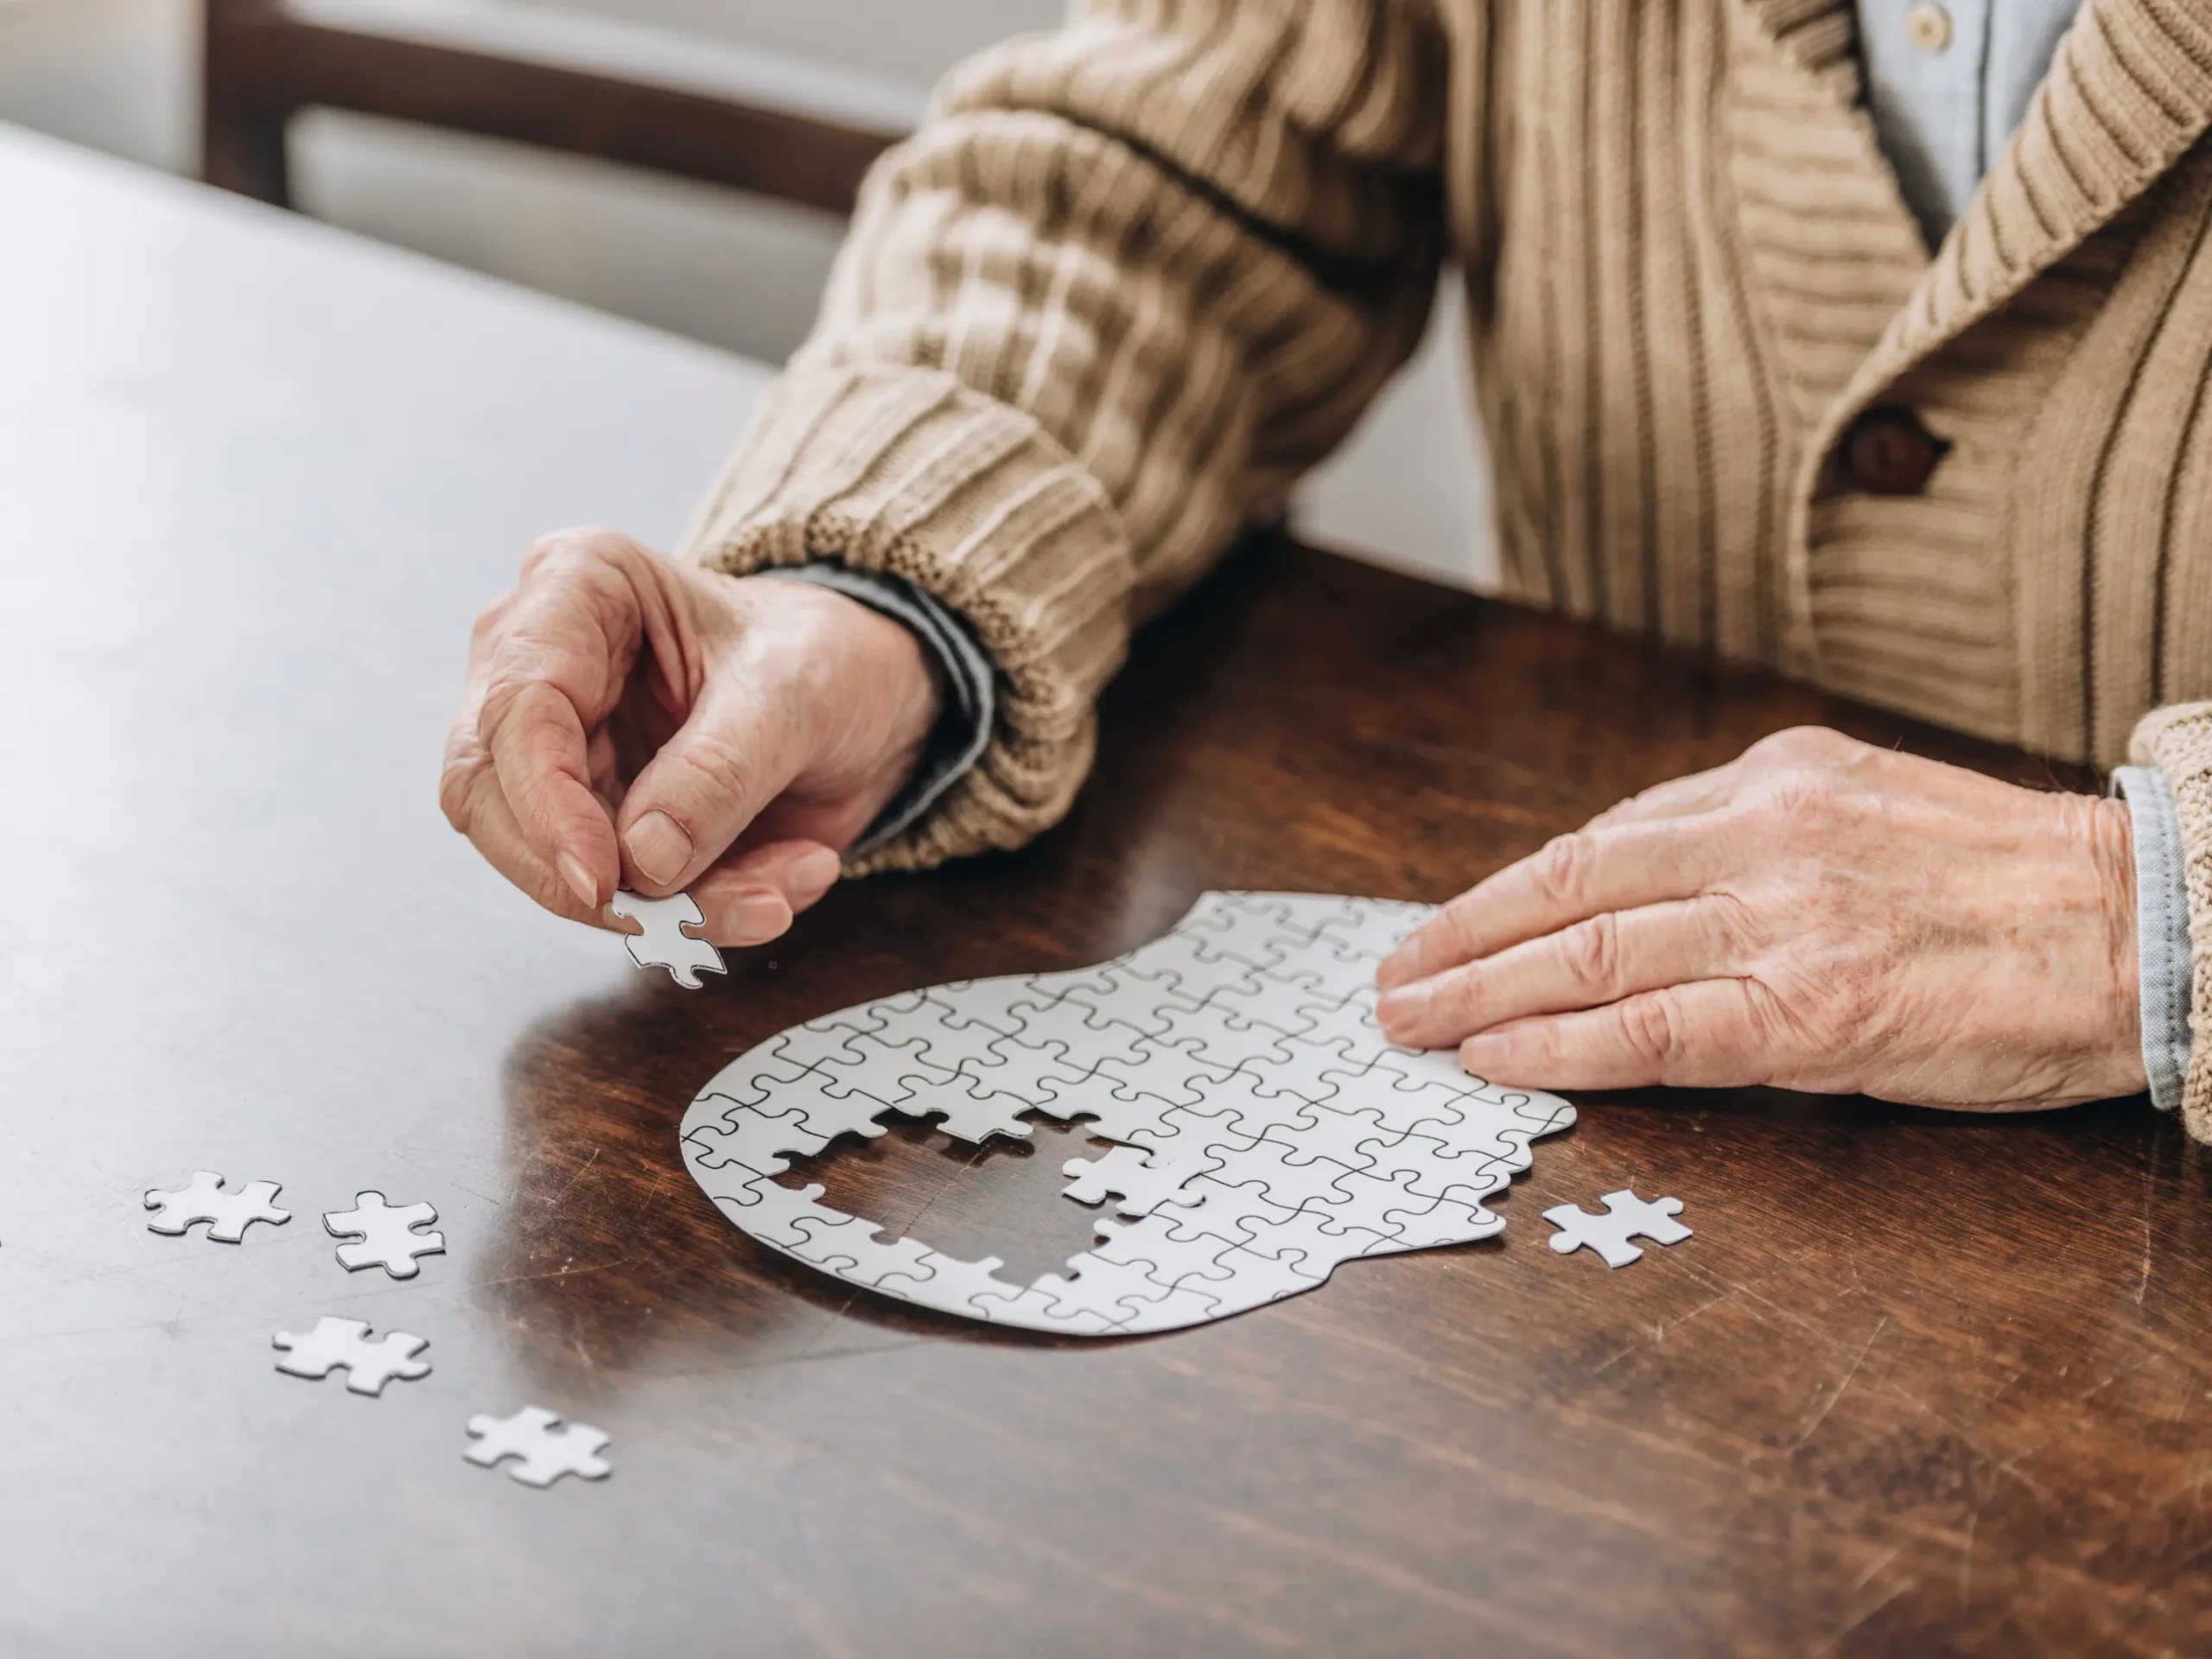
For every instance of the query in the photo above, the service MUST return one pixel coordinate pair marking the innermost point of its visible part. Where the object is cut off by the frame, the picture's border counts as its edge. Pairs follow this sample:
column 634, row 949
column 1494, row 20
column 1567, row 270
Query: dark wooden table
column 1920, row 1382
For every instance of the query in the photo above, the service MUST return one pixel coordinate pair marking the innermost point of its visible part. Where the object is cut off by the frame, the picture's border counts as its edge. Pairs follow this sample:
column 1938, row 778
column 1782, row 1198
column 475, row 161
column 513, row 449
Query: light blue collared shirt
column 1945, row 113
column 1945, row 92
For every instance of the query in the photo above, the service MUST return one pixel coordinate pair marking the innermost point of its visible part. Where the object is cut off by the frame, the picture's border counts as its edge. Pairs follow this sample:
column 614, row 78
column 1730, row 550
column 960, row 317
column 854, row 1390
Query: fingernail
column 1404, row 1006
column 580, row 880
column 811, row 876
column 658, row 848
column 758, row 917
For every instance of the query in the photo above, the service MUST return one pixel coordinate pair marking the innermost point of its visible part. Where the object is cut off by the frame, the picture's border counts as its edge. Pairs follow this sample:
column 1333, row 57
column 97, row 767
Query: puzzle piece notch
column 1141, row 1180
column 384, row 1234
column 545, row 1448
column 750, row 1138
column 664, row 944
column 968, row 1103
column 206, row 1197
column 798, row 1223
column 1324, row 1143
column 1626, row 1216
column 337, row 1343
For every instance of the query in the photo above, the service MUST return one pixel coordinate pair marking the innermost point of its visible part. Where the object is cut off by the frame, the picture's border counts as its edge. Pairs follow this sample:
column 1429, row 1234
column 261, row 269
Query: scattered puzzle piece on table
column 344, row 1343
column 385, row 1235
column 545, row 1449
column 1264, row 1130
column 664, row 944
column 1626, row 1216
column 207, row 1198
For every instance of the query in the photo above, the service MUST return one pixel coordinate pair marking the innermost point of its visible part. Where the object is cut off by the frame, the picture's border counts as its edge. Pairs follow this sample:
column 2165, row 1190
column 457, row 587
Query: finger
column 751, row 896
column 694, row 798
column 470, row 796
column 539, row 753
column 1572, row 879
column 1715, row 1034
column 479, row 808
column 1612, row 955
column 553, row 667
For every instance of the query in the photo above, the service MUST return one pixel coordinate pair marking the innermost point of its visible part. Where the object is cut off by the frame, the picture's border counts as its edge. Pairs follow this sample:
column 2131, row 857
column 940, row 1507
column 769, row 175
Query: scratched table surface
column 1919, row 1383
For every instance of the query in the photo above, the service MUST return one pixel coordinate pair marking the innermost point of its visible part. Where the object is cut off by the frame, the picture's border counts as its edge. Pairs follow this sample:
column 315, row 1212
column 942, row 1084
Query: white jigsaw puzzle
column 1626, row 1216
column 369, row 1365
column 545, row 1450
column 384, row 1234
column 1265, row 1129
column 664, row 944
column 227, row 1213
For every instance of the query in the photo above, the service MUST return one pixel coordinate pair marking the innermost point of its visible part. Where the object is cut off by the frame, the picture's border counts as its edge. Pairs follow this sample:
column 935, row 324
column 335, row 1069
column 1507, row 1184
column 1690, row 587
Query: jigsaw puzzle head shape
column 1266, row 1131
column 665, row 942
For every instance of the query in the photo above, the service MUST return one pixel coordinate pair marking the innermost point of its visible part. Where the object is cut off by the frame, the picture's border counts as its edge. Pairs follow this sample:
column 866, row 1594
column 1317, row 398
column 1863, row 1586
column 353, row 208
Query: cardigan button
column 1887, row 451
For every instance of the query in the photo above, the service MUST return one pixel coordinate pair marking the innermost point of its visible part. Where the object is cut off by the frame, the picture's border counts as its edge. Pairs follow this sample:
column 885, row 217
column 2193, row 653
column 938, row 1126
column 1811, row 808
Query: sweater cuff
column 2177, row 740
column 2161, row 930
column 908, row 471
column 963, row 730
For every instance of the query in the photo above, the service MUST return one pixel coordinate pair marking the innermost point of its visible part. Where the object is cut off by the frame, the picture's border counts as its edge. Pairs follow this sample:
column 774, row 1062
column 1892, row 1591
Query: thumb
column 730, row 759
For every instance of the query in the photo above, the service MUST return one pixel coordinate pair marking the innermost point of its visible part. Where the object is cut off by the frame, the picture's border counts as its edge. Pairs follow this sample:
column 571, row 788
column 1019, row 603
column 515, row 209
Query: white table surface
column 199, row 392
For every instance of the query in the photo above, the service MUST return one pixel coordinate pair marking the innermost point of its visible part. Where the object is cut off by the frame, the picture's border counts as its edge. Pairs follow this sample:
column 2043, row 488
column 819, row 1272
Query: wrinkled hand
column 631, row 722
column 1817, row 915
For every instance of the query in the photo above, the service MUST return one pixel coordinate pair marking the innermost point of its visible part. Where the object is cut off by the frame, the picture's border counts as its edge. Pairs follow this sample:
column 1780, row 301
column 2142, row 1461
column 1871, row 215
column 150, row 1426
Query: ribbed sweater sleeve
column 1131, row 279
column 2177, row 740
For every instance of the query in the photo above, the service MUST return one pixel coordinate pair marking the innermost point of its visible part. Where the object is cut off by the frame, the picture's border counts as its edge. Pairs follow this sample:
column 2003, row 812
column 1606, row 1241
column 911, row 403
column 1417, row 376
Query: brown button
column 1888, row 452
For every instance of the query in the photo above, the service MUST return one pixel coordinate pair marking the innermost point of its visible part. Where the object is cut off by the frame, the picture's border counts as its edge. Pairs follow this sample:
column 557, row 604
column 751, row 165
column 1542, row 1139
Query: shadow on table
column 612, row 1258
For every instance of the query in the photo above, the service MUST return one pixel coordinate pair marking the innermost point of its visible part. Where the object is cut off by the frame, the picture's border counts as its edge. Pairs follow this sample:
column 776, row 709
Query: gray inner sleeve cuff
column 963, row 730
column 2161, row 928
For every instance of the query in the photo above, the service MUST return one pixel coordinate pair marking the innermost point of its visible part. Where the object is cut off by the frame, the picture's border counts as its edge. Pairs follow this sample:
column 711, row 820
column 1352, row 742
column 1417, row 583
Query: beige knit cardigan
column 1136, row 276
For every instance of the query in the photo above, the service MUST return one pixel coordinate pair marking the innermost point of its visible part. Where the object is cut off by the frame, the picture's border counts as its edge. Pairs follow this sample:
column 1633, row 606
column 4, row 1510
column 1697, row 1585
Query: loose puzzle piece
column 385, row 1233
column 1264, row 1129
column 227, row 1214
column 664, row 944
column 545, row 1449
column 1143, row 1180
column 368, row 1365
column 1626, row 1216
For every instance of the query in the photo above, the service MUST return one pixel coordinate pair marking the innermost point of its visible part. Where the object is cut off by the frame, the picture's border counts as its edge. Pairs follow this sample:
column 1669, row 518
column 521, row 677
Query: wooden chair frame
column 541, row 78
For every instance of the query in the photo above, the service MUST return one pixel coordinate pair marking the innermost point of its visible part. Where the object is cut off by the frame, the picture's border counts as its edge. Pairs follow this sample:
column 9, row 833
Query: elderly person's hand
column 636, row 722
column 1817, row 915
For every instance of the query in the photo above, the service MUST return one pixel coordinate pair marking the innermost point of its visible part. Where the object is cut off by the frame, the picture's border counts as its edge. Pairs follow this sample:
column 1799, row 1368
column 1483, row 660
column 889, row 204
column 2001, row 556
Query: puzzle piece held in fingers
column 665, row 942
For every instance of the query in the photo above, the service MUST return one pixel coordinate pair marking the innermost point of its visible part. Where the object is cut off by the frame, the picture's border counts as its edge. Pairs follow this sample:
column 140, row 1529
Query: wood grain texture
column 1920, row 1382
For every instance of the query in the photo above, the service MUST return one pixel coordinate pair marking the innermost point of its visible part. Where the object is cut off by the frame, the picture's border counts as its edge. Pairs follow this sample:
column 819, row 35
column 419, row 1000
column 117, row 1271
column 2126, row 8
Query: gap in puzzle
column 1264, row 1129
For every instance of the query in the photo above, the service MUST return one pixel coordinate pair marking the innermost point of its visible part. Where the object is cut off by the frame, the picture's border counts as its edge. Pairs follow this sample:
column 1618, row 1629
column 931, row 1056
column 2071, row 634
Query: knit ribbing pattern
column 1138, row 274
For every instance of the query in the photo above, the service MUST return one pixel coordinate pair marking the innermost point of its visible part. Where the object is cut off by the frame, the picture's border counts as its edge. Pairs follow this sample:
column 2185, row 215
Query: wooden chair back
column 558, row 81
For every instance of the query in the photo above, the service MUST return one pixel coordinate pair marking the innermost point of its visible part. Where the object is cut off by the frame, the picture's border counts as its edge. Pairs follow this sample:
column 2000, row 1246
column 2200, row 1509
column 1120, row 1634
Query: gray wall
column 121, row 75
